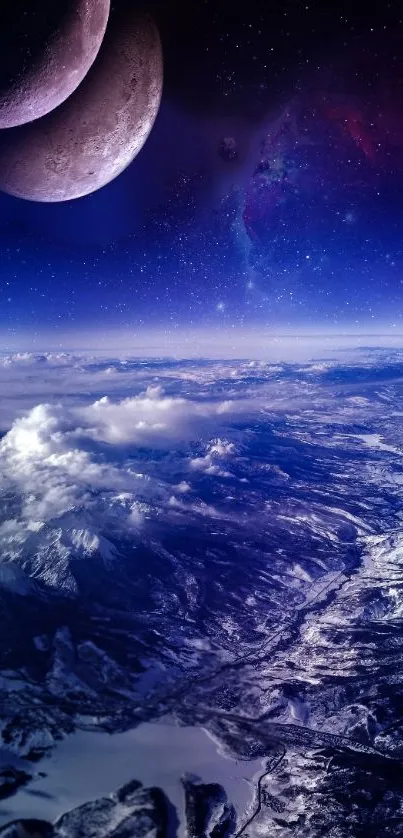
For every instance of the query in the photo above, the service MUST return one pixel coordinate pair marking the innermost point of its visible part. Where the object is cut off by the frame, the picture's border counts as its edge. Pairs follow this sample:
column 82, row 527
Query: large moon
column 93, row 136
column 37, row 83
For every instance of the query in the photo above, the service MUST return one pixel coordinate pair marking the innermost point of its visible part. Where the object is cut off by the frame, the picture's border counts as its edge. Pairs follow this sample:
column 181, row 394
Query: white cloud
column 27, row 380
column 78, row 483
column 151, row 418
column 183, row 487
column 216, row 451
column 52, row 473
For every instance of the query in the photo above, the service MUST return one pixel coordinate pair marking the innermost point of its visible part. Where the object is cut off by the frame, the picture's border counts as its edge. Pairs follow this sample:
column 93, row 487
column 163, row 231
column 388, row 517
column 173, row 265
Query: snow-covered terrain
column 220, row 543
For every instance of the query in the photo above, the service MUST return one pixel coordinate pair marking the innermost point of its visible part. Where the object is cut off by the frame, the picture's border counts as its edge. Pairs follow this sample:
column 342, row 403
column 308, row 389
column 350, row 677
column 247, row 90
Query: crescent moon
column 93, row 136
column 65, row 60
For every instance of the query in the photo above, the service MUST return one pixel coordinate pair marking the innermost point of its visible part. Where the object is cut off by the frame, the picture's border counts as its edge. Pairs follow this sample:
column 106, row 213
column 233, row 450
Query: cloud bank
column 97, row 453
column 78, row 478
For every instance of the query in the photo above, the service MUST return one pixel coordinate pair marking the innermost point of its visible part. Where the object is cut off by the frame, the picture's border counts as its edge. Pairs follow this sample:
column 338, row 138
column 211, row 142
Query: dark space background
column 268, row 193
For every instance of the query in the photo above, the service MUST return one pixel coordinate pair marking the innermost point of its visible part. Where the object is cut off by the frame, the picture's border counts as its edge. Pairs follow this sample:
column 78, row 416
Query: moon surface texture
column 93, row 136
column 49, row 78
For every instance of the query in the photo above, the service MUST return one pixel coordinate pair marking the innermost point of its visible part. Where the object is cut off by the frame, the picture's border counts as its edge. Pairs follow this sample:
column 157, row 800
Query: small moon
column 93, row 136
column 48, row 79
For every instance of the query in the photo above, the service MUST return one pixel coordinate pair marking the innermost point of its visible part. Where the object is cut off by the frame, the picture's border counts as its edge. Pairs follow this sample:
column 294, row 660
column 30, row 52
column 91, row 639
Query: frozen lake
column 88, row 765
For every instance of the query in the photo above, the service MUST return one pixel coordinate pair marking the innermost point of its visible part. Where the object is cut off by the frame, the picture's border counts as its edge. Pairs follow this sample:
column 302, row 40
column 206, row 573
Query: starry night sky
column 269, row 192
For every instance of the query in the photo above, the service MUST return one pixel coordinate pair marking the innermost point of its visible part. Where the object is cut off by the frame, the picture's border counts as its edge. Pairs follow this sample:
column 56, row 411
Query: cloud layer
column 99, row 452
column 77, row 478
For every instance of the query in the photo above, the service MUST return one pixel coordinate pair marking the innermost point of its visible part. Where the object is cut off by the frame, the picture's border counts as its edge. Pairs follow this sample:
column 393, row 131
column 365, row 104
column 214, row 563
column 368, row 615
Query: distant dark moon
column 93, row 136
column 228, row 149
column 46, row 79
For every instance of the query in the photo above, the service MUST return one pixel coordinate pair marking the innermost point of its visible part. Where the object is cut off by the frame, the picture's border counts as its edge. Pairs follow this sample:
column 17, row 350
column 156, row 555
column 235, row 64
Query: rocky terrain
column 223, row 546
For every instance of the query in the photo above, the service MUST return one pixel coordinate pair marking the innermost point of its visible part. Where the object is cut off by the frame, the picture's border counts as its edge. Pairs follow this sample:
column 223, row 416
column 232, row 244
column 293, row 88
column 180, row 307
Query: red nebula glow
column 352, row 121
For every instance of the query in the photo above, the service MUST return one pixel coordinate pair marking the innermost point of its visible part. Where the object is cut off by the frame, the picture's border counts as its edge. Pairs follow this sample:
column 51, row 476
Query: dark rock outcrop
column 208, row 813
column 130, row 812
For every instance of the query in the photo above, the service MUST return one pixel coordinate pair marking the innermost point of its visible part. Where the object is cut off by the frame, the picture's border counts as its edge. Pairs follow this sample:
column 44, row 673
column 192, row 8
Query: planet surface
column 93, row 136
column 216, row 544
column 33, row 84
